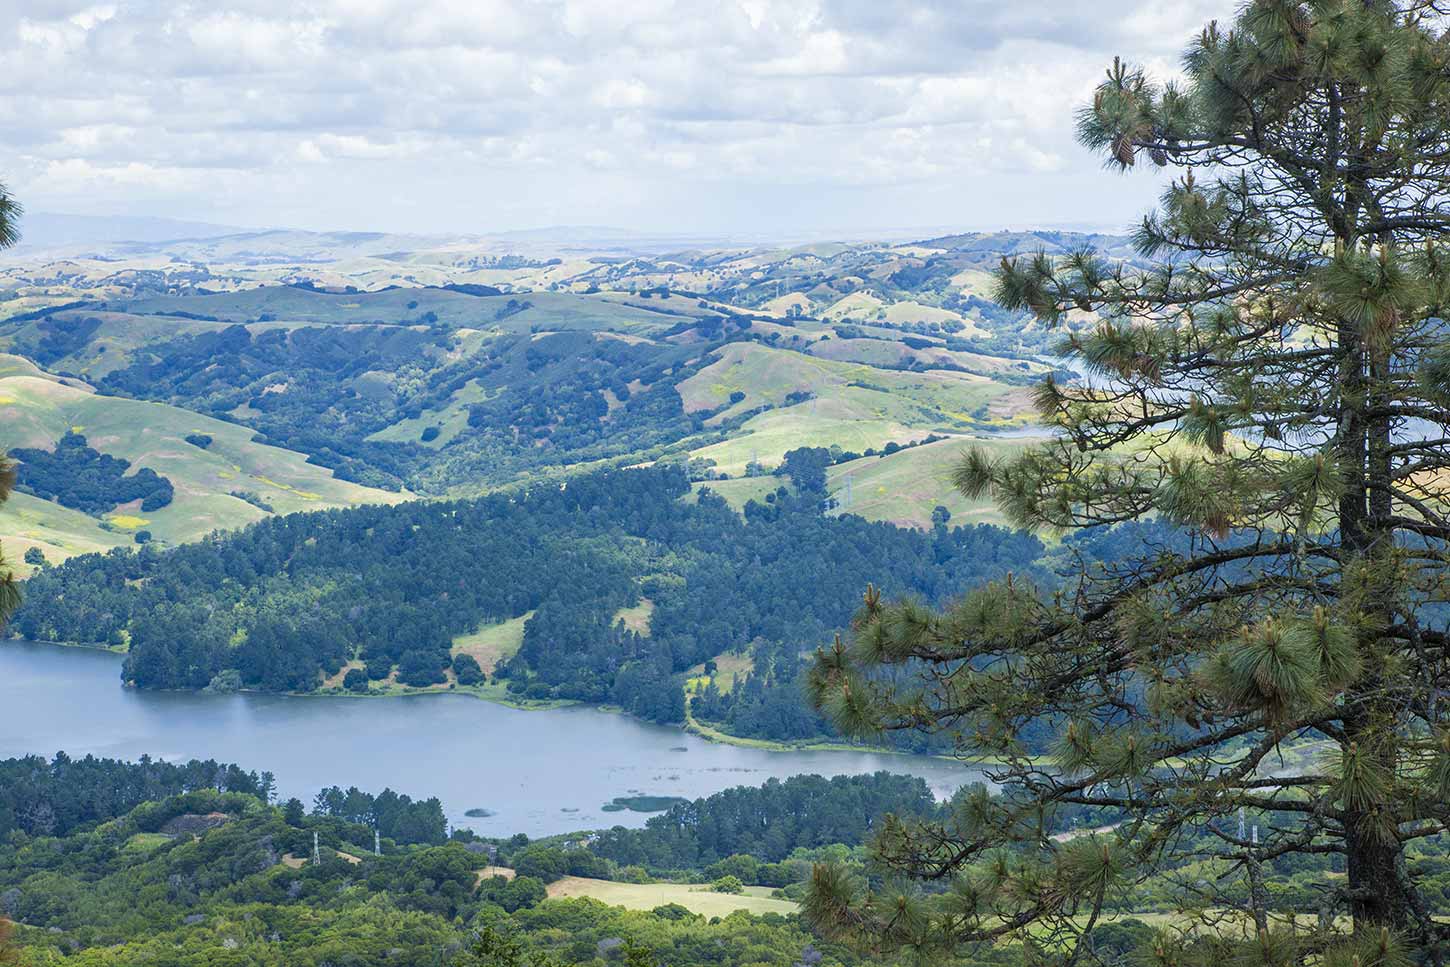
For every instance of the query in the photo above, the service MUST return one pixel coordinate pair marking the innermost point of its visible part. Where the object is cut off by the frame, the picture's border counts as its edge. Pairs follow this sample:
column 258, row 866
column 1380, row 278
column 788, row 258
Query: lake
column 540, row 772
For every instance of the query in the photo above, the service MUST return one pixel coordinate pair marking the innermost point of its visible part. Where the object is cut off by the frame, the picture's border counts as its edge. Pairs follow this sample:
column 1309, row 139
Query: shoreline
column 81, row 645
column 691, row 725
column 695, row 727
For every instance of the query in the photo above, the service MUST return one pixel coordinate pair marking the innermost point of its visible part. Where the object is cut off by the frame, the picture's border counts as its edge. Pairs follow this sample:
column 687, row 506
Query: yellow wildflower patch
column 128, row 522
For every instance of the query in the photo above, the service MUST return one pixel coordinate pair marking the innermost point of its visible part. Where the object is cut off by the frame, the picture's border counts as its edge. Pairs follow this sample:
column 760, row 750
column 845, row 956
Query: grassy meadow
column 695, row 897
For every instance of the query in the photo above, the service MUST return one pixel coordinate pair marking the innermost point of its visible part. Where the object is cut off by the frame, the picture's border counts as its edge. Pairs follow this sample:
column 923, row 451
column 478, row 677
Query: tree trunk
column 1375, row 897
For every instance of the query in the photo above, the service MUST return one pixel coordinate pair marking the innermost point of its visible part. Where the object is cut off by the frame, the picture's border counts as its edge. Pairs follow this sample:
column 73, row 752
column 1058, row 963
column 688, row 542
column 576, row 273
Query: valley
column 257, row 377
column 487, row 378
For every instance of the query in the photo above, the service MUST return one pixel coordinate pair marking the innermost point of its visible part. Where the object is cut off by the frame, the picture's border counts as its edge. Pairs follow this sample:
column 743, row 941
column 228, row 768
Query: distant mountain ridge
column 42, row 230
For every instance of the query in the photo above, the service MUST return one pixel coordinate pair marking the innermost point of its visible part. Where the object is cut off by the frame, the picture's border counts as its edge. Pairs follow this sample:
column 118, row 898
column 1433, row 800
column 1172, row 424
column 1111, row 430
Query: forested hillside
column 175, row 871
column 194, row 865
column 290, row 601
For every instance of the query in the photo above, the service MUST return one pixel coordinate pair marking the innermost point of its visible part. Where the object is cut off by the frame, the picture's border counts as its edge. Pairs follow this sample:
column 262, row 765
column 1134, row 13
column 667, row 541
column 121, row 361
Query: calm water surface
column 539, row 772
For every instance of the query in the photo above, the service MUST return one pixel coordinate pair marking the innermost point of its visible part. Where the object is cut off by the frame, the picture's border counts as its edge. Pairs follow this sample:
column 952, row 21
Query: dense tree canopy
column 76, row 475
column 51, row 797
column 1279, row 384
column 204, row 877
column 767, row 822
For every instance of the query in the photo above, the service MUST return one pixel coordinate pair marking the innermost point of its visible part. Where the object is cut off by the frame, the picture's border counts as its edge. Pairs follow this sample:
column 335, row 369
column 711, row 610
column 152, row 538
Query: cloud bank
column 740, row 116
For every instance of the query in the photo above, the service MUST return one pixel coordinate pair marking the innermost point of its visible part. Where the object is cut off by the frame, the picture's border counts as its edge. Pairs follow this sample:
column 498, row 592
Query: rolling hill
column 332, row 368
column 37, row 409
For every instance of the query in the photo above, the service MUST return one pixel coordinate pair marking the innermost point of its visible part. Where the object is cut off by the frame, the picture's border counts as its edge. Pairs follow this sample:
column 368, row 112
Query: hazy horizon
column 47, row 230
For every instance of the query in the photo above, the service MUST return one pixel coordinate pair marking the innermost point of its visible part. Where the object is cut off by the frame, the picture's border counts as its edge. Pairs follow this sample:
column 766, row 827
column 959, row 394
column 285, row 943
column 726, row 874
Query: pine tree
column 1271, row 375
column 9, row 590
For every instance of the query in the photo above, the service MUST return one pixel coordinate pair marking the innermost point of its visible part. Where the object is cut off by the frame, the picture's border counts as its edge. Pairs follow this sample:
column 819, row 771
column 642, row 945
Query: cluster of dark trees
column 51, row 797
column 394, row 815
column 547, row 399
column 56, row 336
column 551, row 390
column 766, row 703
column 74, row 475
column 303, row 386
column 767, row 822
column 290, row 599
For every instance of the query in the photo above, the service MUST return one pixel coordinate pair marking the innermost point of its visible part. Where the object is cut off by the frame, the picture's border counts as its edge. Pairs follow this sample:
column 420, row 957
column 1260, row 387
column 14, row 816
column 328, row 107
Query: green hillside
column 523, row 312
column 58, row 532
column 906, row 486
column 901, row 488
column 826, row 402
column 36, row 410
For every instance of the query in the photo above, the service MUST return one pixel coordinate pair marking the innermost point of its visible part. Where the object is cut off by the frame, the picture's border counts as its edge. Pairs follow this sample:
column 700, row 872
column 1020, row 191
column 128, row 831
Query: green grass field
column 741, row 490
column 695, row 897
column 451, row 420
column 36, row 411
column 766, row 438
column 906, row 486
column 728, row 668
column 145, row 842
column 492, row 644
column 59, row 532
column 847, row 396
column 636, row 619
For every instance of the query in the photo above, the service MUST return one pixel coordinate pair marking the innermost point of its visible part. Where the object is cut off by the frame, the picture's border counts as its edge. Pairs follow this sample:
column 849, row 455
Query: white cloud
column 659, row 113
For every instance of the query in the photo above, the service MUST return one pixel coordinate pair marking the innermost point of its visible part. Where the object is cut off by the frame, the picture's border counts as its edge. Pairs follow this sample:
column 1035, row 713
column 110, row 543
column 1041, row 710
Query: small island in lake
column 642, row 804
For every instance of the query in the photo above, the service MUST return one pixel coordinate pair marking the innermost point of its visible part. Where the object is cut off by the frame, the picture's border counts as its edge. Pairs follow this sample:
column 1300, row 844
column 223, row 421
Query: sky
column 808, row 118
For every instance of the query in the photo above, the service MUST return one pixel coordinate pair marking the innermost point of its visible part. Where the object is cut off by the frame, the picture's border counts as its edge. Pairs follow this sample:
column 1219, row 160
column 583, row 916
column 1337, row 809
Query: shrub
column 521, row 893
column 467, row 670
column 199, row 440
column 545, row 863
column 356, row 680
column 252, row 498
column 225, row 682
column 728, row 884
column 419, row 668
column 740, row 866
